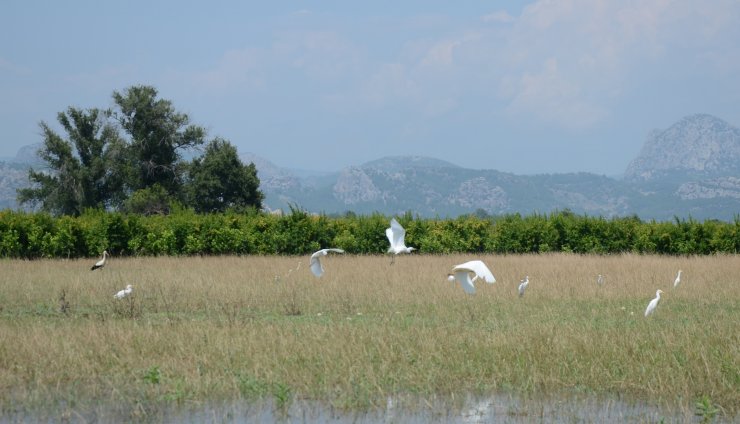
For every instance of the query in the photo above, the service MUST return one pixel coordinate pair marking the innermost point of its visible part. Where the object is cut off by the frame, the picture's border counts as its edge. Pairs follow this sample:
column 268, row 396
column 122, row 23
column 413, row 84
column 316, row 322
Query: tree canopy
column 83, row 171
column 219, row 180
column 130, row 158
column 158, row 134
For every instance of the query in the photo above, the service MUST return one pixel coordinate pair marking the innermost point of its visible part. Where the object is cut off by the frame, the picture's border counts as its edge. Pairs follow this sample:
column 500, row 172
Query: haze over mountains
column 690, row 169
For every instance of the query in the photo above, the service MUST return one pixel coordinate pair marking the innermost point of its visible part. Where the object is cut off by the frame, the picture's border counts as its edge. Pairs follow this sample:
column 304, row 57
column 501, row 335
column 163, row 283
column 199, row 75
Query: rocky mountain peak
column 272, row 177
column 700, row 143
column 29, row 154
column 402, row 163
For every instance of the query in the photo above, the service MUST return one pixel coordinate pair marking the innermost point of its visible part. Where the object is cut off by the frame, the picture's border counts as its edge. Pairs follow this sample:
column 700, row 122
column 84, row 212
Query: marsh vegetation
column 255, row 328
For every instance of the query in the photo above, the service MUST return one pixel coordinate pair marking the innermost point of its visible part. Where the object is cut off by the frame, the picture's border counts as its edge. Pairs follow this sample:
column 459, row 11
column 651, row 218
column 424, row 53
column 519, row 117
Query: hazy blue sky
column 519, row 86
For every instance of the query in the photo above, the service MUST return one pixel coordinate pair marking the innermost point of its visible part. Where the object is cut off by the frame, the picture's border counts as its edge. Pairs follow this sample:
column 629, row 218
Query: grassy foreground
column 199, row 329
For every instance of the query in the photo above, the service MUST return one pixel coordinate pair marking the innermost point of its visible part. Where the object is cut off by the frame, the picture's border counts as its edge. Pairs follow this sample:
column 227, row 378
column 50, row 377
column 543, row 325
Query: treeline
column 133, row 158
column 40, row 235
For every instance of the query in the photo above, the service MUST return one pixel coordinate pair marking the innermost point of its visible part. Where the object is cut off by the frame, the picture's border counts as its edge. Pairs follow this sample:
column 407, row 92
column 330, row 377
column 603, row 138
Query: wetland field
column 259, row 338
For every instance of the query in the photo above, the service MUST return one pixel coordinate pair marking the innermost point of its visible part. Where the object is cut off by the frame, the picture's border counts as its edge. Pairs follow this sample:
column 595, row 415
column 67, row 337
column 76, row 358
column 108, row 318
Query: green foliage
column 149, row 201
column 83, row 171
column 184, row 232
column 251, row 387
column 705, row 409
column 141, row 172
column 219, row 180
column 282, row 394
column 153, row 375
column 158, row 134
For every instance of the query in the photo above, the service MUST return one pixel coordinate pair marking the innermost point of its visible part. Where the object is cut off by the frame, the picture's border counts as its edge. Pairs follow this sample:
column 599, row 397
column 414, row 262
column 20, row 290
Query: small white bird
column 316, row 267
column 677, row 281
column 462, row 272
column 523, row 285
column 125, row 292
column 600, row 280
column 396, row 235
column 653, row 303
column 100, row 263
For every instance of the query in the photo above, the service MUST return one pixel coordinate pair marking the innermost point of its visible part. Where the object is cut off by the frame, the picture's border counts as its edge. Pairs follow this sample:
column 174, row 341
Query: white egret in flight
column 677, row 281
column 125, row 292
column 462, row 272
column 653, row 303
column 100, row 263
column 600, row 280
column 316, row 267
column 396, row 235
column 523, row 285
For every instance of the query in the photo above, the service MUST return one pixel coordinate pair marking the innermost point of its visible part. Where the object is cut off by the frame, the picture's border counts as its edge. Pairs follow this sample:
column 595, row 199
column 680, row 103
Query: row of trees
column 131, row 158
column 183, row 232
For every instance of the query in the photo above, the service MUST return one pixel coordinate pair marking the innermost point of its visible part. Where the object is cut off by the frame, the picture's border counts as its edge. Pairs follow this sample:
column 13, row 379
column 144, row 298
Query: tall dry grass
column 228, row 327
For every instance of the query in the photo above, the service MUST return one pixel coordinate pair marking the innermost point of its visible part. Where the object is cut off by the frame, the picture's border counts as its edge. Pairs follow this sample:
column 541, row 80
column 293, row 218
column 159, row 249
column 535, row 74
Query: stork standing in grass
column 100, row 263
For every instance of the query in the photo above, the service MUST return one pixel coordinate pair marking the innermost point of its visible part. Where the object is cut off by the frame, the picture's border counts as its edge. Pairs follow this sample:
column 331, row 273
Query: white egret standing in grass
column 523, row 285
column 100, row 263
column 396, row 235
column 462, row 272
column 600, row 280
column 316, row 267
column 677, row 281
column 653, row 303
column 125, row 292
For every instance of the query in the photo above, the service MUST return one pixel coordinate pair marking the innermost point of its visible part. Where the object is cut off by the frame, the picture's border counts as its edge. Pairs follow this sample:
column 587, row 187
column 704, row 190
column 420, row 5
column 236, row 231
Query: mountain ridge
column 689, row 169
column 686, row 170
column 698, row 143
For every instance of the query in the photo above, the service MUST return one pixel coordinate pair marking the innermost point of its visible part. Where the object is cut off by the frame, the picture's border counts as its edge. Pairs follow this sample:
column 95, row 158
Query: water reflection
column 495, row 409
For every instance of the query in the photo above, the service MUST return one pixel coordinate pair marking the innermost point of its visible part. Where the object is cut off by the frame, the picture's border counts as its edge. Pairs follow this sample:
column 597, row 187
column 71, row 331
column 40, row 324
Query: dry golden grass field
column 199, row 329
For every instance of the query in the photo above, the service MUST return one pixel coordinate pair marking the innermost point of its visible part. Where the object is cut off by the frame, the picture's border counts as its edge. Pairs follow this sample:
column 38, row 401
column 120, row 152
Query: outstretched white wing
column 463, row 276
column 389, row 234
column 316, row 267
column 479, row 268
column 396, row 234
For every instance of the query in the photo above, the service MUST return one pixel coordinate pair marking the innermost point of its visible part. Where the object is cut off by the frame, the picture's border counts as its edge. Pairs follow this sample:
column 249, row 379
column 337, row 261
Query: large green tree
column 158, row 137
column 219, row 180
column 84, row 170
column 137, row 166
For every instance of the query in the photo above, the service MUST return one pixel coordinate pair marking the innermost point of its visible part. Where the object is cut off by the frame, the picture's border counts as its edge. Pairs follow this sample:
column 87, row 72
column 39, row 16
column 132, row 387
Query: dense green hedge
column 35, row 235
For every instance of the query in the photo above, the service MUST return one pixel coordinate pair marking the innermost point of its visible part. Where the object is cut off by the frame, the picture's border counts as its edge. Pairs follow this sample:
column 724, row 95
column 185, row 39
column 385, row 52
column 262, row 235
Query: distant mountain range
column 689, row 169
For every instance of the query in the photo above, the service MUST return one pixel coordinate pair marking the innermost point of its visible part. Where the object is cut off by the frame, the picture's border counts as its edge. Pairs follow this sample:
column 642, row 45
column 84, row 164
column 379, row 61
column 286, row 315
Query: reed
column 198, row 329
